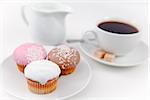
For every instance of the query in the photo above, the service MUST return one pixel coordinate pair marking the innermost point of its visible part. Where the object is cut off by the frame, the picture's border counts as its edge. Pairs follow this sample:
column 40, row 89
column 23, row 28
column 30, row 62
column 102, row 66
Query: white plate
column 15, row 83
column 136, row 57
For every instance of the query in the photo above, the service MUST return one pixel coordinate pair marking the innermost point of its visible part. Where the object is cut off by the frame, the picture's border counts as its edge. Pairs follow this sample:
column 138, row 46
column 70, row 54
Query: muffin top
column 42, row 71
column 64, row 56
column 28, row 52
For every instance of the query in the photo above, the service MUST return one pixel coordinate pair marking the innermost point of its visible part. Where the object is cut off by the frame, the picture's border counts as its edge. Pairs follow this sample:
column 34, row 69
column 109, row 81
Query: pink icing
column 28, row 52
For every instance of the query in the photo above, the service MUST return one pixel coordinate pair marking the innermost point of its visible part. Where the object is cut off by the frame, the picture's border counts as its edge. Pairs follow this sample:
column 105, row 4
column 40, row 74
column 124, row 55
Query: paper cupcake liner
column 37, row 88
column 21, row 68
column 67, row 70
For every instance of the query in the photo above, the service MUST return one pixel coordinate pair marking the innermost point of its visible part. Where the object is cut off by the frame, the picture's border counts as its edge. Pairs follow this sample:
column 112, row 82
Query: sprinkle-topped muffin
column 28, row 52
column 42, row 76
column 66, row 57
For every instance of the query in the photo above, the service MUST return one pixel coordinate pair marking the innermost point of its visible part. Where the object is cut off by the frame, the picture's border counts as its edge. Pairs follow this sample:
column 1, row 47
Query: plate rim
column 62, row 98
column 111, row 64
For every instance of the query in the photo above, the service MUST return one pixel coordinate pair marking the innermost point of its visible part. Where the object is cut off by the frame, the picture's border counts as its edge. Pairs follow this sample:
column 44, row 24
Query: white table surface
column 107, row 83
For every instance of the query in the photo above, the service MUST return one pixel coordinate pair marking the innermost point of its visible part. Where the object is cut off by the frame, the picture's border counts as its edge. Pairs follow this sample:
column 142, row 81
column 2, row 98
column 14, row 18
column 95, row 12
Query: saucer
column 134, row 58
column 15, row 83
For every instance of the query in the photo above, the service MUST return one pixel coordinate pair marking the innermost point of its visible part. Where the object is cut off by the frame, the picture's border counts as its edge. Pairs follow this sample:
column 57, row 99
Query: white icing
column 42, row 71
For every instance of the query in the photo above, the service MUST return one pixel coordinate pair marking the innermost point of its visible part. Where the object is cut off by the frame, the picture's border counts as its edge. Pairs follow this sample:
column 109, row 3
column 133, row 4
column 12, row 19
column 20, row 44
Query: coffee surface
column 118, row 27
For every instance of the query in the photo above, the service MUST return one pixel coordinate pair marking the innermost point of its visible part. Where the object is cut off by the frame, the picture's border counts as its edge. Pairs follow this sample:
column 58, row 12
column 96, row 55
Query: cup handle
column 93, row 41
column 23, row 15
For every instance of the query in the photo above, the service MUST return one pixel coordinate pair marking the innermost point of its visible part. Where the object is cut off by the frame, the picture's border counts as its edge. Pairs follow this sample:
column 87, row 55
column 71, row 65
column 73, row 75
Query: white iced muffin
column 42, row 76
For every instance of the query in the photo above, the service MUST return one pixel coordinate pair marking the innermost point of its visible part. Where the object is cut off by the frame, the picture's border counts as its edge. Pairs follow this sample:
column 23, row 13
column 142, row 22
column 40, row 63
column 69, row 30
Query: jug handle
column 23, row 15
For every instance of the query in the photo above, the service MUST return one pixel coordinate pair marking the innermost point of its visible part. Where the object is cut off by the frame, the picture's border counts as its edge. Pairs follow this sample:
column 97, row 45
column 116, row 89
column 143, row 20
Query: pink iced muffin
column 28, row 52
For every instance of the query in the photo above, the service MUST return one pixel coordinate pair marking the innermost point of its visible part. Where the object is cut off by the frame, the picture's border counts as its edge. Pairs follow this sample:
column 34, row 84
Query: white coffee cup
column 119, row 44
column 46, row 22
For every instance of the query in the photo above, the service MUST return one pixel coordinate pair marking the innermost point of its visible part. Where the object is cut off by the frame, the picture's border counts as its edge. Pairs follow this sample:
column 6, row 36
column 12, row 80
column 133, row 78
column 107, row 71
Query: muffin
column 66, row 57
column 26, row 53
column 42, row 76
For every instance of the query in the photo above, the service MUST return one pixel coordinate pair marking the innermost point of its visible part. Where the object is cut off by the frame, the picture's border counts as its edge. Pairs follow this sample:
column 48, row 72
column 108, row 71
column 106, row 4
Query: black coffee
column 118, row 27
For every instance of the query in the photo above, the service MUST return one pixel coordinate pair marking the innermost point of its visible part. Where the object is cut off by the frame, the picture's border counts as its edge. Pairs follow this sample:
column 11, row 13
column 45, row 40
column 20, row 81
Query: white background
column 107, row 82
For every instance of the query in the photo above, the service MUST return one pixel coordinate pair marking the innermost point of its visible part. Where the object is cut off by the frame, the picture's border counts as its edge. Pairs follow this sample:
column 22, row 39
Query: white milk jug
column 46, row 22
